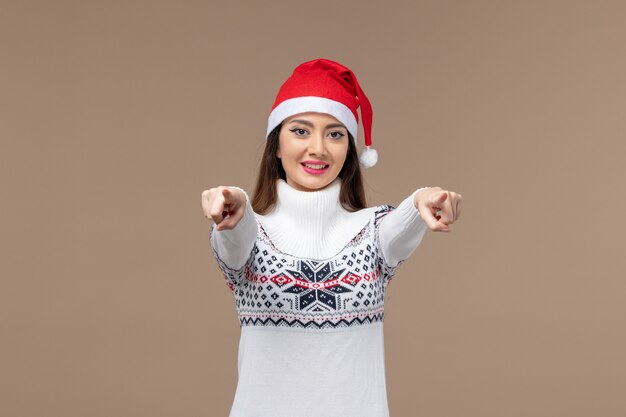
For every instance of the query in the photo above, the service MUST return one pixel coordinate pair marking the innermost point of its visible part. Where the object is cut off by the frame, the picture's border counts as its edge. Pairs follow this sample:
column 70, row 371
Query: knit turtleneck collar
column 312, row 224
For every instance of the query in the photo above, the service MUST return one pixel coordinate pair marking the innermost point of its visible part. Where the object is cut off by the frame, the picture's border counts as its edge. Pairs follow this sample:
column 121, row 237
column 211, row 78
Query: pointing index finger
column 441, row 197
column 228, row 195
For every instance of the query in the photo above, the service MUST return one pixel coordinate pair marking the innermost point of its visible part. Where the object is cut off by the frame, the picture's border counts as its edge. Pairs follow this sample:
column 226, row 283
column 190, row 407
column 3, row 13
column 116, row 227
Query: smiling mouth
column 315, row 166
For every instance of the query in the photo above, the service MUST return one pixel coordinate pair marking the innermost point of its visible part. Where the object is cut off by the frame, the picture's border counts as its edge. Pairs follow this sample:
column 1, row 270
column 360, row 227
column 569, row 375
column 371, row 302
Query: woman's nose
column 317, row 145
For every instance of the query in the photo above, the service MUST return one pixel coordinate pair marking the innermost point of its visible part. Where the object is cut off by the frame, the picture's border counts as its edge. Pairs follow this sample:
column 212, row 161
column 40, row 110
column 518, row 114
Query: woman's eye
column 298, row 132
column 336, row 135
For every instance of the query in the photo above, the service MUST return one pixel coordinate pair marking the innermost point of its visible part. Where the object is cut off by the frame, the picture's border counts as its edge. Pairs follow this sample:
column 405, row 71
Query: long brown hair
column 351, row 195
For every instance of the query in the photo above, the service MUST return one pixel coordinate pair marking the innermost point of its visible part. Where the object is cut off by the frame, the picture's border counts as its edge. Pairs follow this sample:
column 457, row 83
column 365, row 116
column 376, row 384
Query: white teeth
column 314, row 166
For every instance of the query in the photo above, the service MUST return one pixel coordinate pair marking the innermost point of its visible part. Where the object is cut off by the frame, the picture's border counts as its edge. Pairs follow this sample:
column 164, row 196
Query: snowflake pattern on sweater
column 280, row 290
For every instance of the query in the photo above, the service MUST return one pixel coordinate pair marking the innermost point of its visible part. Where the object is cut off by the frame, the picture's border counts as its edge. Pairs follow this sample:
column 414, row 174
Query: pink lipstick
column 315, row 167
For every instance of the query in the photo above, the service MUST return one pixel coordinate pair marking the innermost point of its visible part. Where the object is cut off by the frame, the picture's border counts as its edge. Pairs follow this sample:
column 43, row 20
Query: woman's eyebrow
column 304, row 122
column 330, row 126
column 309, row 124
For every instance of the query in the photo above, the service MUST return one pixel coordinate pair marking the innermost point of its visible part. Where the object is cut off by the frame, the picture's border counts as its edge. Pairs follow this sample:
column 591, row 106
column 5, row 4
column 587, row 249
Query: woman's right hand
column 224, row 205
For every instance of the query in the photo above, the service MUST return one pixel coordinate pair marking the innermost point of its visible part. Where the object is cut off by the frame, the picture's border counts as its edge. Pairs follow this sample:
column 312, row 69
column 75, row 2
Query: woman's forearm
column 401, row 231
column 233, row 246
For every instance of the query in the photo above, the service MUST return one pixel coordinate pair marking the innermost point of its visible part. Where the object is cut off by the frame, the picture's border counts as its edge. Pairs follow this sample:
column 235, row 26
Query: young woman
column 308, row 262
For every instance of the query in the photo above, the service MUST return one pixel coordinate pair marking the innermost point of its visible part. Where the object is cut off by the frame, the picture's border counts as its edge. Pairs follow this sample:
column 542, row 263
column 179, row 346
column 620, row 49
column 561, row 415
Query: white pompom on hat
column 325, row 86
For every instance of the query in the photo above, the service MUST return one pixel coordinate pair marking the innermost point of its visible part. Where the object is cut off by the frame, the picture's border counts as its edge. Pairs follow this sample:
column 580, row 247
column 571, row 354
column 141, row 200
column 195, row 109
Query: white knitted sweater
column 309, row 281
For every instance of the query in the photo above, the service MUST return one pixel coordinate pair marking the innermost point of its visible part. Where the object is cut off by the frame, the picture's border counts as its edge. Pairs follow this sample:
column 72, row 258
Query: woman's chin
column 309, row 184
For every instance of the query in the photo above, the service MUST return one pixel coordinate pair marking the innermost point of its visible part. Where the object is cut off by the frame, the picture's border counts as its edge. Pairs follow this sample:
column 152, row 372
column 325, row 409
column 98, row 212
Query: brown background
column 115, row 115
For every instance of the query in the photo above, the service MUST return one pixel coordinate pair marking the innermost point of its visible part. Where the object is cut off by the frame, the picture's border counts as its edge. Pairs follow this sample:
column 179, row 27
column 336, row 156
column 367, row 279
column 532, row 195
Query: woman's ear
column 278, row 153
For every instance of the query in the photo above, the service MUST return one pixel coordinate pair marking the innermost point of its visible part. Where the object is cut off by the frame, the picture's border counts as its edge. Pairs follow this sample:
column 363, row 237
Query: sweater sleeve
column 401, row 231
column 233, row 247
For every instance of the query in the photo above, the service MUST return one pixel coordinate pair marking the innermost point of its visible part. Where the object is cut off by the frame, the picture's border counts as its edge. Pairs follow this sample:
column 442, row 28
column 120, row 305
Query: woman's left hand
column 439, row 208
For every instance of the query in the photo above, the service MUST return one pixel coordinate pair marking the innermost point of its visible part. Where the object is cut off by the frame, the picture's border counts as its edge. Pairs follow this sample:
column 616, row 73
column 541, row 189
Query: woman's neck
column 311, row 224
column 312, row 204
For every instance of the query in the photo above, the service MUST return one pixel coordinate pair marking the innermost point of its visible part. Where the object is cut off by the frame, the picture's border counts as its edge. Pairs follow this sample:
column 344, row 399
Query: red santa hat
column 325, row 86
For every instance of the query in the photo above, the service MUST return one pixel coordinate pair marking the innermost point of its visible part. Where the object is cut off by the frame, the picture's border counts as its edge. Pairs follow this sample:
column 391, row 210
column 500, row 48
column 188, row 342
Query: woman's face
column 312, row 148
